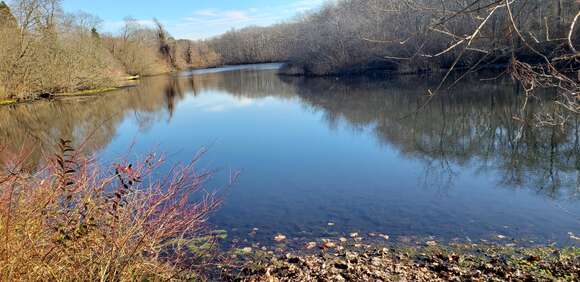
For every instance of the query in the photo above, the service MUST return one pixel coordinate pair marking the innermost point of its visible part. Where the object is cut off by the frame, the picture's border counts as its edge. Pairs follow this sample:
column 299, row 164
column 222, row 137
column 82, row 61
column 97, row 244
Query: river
column 324, row 157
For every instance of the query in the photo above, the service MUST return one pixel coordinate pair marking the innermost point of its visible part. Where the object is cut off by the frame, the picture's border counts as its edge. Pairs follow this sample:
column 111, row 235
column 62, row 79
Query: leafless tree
column 533, row 41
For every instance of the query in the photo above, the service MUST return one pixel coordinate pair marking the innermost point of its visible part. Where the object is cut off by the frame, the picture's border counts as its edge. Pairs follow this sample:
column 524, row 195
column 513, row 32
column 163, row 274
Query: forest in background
column 408, row 36
column 44, row 51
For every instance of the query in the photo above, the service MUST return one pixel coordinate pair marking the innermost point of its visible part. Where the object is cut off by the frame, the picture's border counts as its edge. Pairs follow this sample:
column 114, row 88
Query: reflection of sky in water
column 312, row 154
column 220, row 102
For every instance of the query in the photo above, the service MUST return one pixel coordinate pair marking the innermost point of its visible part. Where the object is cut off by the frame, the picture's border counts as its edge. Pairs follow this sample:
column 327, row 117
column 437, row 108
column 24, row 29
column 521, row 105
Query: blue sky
column 193, row 19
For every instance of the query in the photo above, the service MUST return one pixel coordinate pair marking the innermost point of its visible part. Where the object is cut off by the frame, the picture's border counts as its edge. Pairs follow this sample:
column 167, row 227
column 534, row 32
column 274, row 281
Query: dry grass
column 74, row 220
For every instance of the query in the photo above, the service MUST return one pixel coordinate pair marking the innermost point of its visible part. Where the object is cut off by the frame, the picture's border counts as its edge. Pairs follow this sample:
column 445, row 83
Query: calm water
column 320, row 150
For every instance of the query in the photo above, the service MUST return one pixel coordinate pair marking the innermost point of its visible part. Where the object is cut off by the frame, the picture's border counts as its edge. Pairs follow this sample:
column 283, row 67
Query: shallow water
column 350, row 152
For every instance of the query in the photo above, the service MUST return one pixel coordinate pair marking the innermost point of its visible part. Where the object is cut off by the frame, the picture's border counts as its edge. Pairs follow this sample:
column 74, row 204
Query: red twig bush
column 74, row 220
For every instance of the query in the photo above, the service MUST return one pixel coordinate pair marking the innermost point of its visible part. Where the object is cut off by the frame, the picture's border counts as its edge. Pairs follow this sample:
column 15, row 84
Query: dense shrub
column 73, row 220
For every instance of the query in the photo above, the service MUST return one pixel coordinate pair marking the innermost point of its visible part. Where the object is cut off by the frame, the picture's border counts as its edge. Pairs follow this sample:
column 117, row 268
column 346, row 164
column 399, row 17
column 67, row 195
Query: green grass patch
column 89, row 92
column 4, row 102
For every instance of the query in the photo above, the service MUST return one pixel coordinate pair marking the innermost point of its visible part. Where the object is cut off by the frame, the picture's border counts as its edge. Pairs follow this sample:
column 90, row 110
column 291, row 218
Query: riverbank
column 384, row 68
column 455, row 262
column 11, row 102
column 126, row 82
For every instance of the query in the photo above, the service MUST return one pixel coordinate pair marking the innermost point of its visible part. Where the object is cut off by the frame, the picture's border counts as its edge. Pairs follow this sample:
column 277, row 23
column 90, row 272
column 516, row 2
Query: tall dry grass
column 74, row 220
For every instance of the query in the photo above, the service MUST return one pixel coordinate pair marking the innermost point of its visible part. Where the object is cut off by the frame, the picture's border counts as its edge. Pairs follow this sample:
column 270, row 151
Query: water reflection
column 469, row 125
column 92, row 120
column 474, row 125
column 322, row 149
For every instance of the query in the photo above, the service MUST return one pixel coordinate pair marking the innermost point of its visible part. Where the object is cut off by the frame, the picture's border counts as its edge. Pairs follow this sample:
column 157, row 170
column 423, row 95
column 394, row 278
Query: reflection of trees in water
column 244, row 83
column 472, row 125
column 97, row 118
column 174, row 90
column 94, row 119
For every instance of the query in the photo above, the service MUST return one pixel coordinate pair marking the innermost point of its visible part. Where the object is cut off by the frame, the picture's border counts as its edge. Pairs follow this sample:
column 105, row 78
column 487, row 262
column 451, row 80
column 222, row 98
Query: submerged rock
column 431, row 243
column 385, row 237
column 280, row 238
column 310, row 245
column 573, row 237
column 328, row 245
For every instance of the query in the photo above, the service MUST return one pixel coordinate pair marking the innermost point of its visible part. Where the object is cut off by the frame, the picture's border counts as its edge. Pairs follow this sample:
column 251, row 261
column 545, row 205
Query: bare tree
column 47, row 52
column 534, row 41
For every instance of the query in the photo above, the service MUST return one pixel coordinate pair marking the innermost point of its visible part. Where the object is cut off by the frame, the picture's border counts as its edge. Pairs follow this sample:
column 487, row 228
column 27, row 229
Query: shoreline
column 128, row 82
column 282, row 71
column 293, row 69
column 85, row 93
column 348, row 261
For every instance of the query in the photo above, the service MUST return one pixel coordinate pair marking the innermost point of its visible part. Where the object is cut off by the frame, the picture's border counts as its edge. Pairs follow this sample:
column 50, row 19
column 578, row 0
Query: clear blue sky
column 193, row 19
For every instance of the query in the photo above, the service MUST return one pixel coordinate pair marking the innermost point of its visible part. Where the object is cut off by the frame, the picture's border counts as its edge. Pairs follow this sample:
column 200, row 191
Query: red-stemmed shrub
column 74, row 220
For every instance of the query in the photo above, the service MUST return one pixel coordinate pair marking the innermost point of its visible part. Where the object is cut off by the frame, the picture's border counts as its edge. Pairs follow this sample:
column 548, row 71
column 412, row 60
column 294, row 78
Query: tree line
column 407, row 35
column 535, row 42
column 44, row 50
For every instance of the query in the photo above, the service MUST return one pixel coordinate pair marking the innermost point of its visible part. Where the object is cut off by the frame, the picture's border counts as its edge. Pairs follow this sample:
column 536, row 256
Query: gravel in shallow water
column 429, row 263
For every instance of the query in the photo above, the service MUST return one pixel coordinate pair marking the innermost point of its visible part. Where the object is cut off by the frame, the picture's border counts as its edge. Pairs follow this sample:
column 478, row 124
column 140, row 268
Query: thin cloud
column 237, row 15
column 213, row 16
column 210, row 22
column 206, row 13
